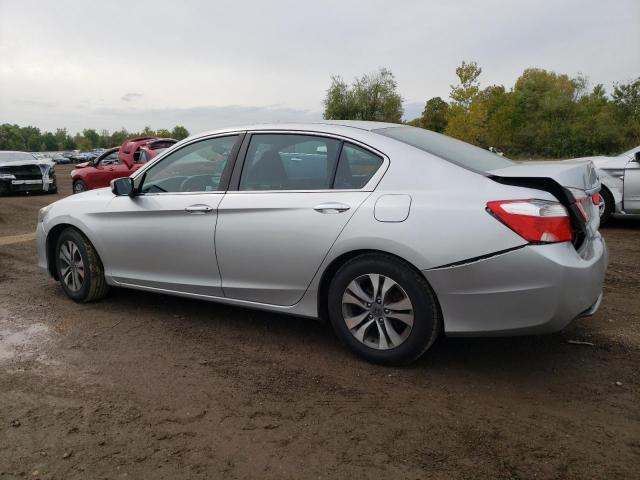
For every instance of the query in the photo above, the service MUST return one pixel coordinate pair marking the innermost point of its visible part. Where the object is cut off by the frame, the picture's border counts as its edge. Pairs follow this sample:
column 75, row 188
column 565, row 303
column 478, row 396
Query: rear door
column 293, row 195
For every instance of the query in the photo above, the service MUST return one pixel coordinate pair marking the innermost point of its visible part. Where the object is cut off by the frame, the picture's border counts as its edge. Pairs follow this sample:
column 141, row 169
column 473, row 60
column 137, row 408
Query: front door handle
column 331, row 207
column 198, row 209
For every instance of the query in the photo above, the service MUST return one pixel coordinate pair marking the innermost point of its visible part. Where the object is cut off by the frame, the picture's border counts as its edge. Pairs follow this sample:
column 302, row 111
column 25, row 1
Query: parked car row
column 395, row 234
column 117, row 162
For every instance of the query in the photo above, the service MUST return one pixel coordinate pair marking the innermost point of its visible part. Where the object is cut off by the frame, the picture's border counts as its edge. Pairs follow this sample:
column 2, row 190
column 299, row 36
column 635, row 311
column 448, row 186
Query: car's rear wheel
column 79, row 268
column 79, row 186
column 607, row 205
column 383, row 310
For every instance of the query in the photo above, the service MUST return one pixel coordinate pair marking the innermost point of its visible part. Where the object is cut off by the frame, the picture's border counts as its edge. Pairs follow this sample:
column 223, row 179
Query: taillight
column 537, row 221
column 583, row 202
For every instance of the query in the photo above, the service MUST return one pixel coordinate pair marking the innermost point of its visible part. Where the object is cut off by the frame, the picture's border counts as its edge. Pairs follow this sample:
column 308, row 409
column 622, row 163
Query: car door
column 163, row 238
column 631, row 197
column 99, row 177
column 281, row 214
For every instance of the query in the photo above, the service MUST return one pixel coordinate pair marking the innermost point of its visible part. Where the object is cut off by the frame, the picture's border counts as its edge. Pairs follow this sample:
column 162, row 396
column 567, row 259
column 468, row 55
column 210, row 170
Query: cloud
column 127, row 97
column 283, row 52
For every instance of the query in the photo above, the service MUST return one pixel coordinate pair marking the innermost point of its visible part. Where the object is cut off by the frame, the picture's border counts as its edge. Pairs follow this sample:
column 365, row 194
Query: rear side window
column 450, row 149
column 289, row 162
column 356, row 167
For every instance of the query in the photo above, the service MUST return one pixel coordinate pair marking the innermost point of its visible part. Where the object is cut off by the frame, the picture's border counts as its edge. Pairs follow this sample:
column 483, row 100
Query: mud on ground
column 148, row 386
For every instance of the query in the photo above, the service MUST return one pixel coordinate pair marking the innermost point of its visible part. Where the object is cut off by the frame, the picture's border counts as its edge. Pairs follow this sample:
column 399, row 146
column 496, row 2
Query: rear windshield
column 455, row 151
column 14, row 156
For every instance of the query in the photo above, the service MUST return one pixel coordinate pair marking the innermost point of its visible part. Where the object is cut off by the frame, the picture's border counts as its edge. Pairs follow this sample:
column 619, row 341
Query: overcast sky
column 207, row 64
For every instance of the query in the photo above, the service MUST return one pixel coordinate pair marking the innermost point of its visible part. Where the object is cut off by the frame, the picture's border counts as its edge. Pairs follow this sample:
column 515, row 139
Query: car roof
column 328, row 126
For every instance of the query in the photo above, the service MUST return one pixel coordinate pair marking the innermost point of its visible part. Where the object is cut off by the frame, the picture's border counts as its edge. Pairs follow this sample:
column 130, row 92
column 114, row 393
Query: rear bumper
column 534, row 289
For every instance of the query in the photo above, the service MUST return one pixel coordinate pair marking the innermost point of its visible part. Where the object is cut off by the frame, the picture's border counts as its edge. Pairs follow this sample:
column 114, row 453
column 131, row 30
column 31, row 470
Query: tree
column 627, row 97
column 544, row 108
column 468, row 86
column 163, row 132
column 434, row 115
column 92, row 137
column 179, row 132
column 370, row 97
column 463, row 122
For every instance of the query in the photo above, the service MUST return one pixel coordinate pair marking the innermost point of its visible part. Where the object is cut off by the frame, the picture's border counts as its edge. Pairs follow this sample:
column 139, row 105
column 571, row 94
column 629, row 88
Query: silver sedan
column 620, row 178
column 393, row 233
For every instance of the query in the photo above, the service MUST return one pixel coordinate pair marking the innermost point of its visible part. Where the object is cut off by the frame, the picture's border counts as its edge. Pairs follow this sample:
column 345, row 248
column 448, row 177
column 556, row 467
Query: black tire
column 93, row 285
column 427, row 321
column 79, row 186
column 607, row 198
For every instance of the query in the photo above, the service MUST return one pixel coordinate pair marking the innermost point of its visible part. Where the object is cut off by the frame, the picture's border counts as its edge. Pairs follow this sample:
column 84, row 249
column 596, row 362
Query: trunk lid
column 579, row 174
column 574, row 183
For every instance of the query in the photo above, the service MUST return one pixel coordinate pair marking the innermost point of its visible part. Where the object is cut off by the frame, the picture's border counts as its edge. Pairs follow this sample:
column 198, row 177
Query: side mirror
column 636, row 157
column 123, row 186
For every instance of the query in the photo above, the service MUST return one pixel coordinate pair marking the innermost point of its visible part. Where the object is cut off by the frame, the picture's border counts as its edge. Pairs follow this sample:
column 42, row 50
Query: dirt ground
column 142, row 385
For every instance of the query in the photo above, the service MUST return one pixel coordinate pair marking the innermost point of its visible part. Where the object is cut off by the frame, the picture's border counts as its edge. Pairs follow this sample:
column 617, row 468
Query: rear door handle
column 331, row 207
column 198, row 209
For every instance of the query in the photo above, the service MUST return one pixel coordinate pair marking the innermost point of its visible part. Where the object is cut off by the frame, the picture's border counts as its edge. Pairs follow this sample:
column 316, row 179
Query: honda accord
column 392, row 233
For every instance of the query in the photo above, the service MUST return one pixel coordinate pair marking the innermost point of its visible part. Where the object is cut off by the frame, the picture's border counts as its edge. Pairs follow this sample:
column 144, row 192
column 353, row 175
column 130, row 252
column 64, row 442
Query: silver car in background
column 391, row 232
column 620, row 178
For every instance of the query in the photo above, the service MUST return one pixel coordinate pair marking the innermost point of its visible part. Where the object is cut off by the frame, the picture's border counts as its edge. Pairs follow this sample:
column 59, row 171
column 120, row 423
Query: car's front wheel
column 381, row 308
column 79, row 186
column 79, row 268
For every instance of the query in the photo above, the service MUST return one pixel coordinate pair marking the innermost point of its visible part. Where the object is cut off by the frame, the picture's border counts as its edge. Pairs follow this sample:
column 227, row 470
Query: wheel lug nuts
column 378, row 300
column 368, row 305
column 386, row 310
column 370, row 315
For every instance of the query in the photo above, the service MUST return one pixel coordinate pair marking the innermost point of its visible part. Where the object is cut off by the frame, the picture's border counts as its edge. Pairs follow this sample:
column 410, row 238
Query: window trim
column 234, row 185
column 226, row 173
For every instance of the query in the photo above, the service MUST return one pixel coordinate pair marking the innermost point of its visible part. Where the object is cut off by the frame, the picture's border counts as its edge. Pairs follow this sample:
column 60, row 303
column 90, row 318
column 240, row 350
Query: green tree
column 11, row 137
column 544, row 108
column 468, row 86
column 464, row 121
column 92, row 138
column 434, row 115
column 371, row 97
column 163, row 132
column 179, row 132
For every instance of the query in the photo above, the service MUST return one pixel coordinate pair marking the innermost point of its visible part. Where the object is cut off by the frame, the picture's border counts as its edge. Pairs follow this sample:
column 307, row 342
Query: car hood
column 19, row 163
column 578, row 173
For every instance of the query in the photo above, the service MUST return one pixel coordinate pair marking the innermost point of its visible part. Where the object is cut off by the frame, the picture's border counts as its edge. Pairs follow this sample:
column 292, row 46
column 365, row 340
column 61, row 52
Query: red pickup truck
column 117, row 162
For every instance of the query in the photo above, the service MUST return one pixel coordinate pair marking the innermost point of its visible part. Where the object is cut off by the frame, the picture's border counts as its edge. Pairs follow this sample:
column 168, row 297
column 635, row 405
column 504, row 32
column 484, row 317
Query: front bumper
column 45, row 184
column 41, row 244
column 530, row 290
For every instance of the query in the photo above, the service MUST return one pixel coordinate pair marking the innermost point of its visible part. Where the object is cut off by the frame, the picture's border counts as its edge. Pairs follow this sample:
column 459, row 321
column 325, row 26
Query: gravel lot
column 147, row 386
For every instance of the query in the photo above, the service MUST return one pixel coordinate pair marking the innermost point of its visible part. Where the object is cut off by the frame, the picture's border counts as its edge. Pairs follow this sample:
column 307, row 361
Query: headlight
column 7, row 176
column 43, row 213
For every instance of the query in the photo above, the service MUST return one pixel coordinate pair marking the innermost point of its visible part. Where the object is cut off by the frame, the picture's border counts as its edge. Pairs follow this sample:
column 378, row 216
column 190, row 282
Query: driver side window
column 197, row 167
column 111, row 159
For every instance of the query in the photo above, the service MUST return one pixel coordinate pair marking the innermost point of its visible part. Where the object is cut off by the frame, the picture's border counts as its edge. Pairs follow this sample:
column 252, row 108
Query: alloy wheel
column 78, row 187
column 71, row 266
column 377, row 311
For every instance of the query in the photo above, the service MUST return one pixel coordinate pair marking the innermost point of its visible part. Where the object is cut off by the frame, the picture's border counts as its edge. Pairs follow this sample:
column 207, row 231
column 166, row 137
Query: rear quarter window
column 455, row 151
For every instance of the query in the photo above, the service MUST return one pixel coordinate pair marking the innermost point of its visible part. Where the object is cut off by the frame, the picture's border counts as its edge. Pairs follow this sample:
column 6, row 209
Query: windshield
column 452, row 150
column 15, row 157
column 630, row 153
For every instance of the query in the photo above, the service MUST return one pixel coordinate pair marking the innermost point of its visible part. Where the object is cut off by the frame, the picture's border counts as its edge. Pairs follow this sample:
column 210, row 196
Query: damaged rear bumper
column 531, row 290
